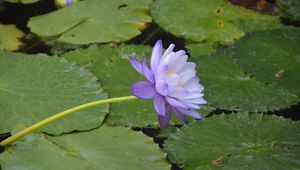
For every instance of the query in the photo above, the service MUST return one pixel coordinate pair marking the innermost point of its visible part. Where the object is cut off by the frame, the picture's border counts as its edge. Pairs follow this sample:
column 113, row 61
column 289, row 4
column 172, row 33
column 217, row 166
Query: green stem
column 57, row 116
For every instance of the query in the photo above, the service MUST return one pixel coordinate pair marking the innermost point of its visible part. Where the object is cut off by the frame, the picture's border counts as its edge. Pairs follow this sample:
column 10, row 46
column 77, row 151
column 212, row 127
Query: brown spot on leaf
column 279, row 74
column 219, row 161
column 220, row 24
column 219, row 11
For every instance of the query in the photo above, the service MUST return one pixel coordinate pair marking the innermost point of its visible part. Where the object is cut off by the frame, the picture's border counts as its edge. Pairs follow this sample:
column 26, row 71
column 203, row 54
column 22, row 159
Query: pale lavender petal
column 69, row 2
column 147, row 72
column 192, row 96
column 143, row 89
column 136, row 64
column 192, row 113
column 164, row 120
column 176, row 92
column 161, row 87
column 195, row 101
column 156, row 55
column 180, row 115
column 168, row 51
column 192, row 106
column 160, row 104
column 176, row 104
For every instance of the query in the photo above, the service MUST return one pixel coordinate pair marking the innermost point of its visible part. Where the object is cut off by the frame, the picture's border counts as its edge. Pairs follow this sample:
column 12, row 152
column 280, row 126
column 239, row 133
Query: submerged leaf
column 35, row 87
column 237, row 141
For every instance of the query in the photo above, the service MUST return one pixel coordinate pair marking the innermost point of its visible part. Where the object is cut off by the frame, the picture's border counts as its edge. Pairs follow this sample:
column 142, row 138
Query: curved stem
column 57, row 116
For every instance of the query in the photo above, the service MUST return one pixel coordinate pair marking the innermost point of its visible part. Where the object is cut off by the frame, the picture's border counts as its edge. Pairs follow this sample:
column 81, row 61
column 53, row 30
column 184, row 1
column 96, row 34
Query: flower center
column 169, row 71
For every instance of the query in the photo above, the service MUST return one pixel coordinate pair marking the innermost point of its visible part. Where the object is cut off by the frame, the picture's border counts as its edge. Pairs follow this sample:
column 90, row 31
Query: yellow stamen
column 169, row 71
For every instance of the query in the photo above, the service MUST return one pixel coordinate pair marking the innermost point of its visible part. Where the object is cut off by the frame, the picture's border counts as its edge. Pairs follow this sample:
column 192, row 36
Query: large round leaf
column 271, row 57
column 209, row 20
column 33, row 88
column 93, row 21
column 9, row 37
column 112, row 68
column 237, row 141
column 228, row 87
column 108, row 148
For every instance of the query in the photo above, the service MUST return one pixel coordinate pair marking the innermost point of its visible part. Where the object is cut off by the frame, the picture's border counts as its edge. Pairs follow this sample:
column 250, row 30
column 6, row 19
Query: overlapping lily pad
column 228, row 87
column 10, row 37
column 35, row 87
column 93, row 21
column 209, row 20
column 271, row 57
column 237, row 141
column 112, row 68
column 104, row 148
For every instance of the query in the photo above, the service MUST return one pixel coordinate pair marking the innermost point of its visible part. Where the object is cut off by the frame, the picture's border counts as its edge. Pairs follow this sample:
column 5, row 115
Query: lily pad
column 108, row 148
column 9, row 37
column 34, row 87
column 237, row 141
column 113, row 69
column 207, row 20
column 228, row 87
column 271, row 57
column 93, row 21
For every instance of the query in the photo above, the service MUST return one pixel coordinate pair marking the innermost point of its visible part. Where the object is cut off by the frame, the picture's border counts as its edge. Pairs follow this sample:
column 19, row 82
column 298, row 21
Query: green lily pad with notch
column 237, row 141
column 209, row 20
column 228, row 87
column 107, row 148
column 93, row 21
column 271, row 57
column 113, row 69
column 35, row 87
column 9, row 37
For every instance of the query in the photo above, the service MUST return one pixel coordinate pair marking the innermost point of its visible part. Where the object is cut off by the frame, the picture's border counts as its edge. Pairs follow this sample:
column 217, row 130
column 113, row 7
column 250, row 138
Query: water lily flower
column 172, row 82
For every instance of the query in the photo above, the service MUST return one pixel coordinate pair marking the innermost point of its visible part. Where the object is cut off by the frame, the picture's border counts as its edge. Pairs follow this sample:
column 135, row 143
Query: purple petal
column 161, row 87
column 180, row 115
column 164, row 120
column 156, row 55
column 147, row 72
column 143, row 89
column 160, row 104
column 192, row 113
column 69, row 2
column 136, row 64
column 176, row 104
